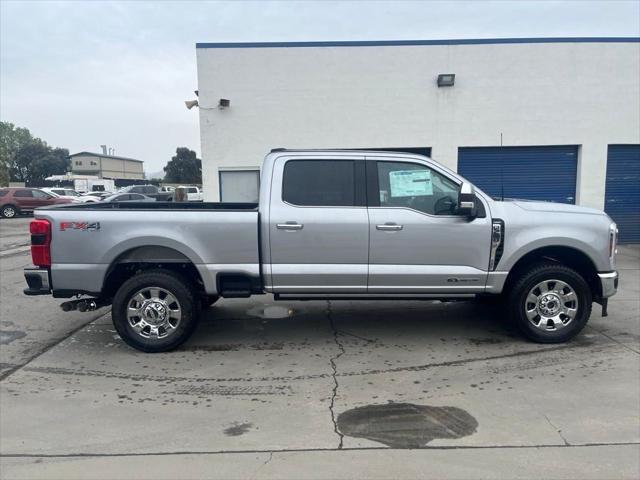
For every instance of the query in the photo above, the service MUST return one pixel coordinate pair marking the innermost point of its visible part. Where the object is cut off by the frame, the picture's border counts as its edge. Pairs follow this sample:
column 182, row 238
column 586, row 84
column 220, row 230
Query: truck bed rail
column 228, row 206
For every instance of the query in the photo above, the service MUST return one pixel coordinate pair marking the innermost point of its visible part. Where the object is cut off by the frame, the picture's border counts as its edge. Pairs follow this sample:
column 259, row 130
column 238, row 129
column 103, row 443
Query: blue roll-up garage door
column 622, row 195
column 534, row 173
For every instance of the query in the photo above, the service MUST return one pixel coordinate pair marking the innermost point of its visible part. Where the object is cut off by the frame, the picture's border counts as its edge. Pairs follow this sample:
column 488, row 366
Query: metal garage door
column 622, row 196
column 535, row 173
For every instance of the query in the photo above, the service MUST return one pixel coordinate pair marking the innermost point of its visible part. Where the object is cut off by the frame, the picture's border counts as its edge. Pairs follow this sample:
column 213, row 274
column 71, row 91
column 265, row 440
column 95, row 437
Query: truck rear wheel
column 550, row 303
column 155, row 311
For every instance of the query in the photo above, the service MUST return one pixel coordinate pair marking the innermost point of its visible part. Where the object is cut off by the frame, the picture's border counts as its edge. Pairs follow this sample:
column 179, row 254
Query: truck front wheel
column 550, row 303
column 155, row 311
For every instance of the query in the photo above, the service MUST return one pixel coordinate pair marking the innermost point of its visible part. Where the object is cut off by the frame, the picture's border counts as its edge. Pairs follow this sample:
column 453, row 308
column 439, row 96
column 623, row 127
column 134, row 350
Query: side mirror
column 467, row 201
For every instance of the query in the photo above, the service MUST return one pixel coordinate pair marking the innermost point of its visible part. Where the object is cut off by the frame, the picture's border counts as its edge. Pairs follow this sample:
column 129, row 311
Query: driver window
column 416, row 186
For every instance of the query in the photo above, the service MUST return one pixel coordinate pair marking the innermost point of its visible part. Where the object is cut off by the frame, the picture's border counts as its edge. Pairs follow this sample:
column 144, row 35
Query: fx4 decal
column 84, row 226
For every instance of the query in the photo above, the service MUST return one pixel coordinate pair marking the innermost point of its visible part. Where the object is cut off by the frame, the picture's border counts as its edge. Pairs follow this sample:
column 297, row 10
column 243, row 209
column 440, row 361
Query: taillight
column 40, row 242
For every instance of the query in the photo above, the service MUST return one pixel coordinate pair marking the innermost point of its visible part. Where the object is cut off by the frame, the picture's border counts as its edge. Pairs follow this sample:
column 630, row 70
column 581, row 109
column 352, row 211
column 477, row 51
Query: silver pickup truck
column 329, row 224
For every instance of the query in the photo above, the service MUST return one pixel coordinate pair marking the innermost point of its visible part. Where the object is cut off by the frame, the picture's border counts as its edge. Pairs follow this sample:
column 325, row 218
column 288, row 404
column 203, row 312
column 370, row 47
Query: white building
column 572, row 106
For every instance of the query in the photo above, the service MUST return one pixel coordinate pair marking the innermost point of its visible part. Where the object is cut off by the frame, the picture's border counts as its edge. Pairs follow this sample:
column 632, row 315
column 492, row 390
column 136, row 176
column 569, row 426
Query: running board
column 393, row 296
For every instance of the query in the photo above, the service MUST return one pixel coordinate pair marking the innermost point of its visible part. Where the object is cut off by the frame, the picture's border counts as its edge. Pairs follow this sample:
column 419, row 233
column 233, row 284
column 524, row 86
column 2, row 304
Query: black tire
column 187, row 303
column 208, row 300
column 9, row 211
column 546, row 272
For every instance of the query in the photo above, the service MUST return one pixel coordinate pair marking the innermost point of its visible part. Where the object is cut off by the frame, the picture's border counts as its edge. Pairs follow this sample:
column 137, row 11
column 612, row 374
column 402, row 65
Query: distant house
column 106, row 166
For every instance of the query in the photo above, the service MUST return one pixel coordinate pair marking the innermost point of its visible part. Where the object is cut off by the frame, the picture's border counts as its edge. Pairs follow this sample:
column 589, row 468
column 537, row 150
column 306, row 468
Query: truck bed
column 88, row 239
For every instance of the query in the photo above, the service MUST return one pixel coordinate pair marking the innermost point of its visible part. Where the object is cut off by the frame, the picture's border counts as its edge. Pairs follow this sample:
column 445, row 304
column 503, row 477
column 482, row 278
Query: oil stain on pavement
column 405, row 425
column 238, row 429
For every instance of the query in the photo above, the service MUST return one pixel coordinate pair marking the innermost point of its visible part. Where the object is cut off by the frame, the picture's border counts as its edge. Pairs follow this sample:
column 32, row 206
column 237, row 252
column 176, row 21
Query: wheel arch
column 568, row 256
column 149, row 257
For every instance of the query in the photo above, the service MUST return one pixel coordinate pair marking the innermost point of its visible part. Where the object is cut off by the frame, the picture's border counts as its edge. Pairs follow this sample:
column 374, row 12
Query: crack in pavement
column 559, row 430
column 56, row 341
column 263, row 464
column 334, row 375
column 319, row 449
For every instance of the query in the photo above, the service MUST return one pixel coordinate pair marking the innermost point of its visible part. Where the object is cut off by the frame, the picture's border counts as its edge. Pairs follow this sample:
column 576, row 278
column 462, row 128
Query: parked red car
column 14, row 201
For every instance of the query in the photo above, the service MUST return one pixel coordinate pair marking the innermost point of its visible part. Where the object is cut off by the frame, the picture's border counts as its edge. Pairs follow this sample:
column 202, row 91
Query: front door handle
column 289, row 226
column 389, row 227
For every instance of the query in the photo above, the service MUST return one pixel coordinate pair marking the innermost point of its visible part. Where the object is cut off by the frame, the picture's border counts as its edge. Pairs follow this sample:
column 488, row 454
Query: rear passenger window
column 23, row 193
column 3, row 192
column 319, row 183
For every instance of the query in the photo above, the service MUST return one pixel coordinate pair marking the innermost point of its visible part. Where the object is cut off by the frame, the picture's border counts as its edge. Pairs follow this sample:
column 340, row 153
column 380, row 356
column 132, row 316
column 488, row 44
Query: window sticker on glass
column 410, row 183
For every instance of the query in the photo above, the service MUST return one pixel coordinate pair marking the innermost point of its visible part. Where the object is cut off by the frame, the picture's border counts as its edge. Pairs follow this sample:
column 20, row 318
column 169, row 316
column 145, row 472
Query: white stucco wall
column 585, row 94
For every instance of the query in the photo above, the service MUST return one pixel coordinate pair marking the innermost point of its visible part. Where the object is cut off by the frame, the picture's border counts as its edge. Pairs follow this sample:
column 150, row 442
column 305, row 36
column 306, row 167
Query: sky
column 85, row 73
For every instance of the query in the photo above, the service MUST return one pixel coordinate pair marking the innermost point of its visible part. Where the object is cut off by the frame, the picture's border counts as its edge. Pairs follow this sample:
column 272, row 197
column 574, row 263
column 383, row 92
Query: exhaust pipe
column 84, row 305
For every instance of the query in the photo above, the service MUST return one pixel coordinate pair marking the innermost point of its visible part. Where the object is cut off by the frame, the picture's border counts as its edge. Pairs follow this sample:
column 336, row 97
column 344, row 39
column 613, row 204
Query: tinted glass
column 3, row 192
column 416, row 186
column 40, row 194
column 23, row 193
column 319, row 183
column 192, row 190
column 149, row 190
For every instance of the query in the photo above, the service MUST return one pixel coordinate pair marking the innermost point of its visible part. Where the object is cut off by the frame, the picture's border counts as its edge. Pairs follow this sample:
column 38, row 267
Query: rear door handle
column 389, row 227
column 289, row 226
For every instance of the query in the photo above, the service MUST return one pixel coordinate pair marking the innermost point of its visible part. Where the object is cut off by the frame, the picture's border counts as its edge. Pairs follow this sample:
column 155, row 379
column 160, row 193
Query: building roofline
column 390, row 43
column 91, row 154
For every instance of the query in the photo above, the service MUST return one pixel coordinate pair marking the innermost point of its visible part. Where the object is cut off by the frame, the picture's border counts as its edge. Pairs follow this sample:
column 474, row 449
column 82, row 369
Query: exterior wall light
column 446, row 79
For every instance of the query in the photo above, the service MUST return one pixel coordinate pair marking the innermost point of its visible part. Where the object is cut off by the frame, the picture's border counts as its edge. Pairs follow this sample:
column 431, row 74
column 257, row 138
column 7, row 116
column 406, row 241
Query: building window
column 94, row 163
column 327, row 183
column 78, row 162
column 239, row 185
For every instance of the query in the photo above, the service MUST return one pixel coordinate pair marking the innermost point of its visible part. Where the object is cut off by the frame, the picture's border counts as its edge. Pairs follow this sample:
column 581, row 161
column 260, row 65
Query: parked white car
column 194, row 194
column 71, row 194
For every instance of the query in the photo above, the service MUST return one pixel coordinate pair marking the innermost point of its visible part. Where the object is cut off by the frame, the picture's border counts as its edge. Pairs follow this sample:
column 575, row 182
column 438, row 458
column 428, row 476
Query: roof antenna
column 501, row 171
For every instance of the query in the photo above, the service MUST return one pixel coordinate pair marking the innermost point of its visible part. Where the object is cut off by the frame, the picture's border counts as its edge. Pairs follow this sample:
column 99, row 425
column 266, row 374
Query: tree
column 29, row 159
column 184, row 167
column 4, row 175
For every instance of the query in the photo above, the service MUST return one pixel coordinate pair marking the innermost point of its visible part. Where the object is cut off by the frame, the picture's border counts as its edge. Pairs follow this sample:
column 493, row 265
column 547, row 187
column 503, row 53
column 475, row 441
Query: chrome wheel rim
column 551, row 305
column 154, row 312
column 8, row 212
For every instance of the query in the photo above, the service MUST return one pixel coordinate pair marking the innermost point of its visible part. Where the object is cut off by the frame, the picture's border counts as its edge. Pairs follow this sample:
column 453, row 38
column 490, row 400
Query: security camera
column 191, row 103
